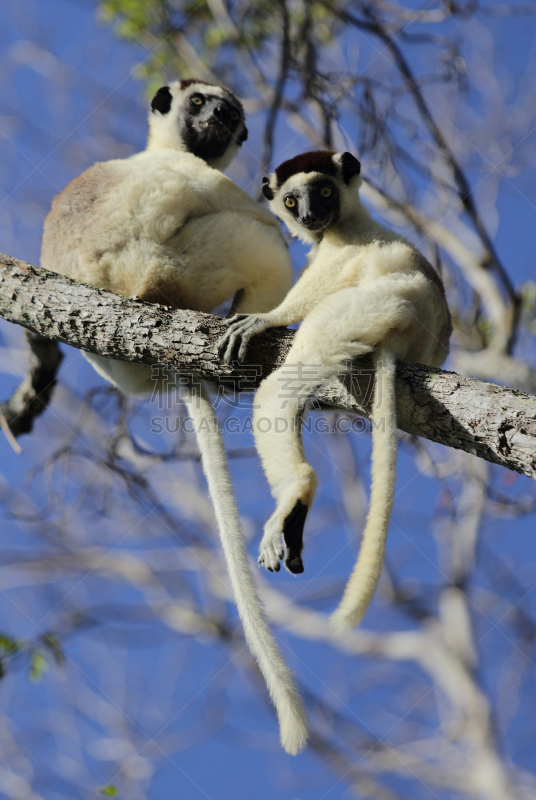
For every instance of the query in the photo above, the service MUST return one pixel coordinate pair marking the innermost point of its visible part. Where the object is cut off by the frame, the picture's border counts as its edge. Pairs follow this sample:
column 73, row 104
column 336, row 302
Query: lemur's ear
column 350, row 167
column 243, row 136
column 162, row 100
column 266, row 188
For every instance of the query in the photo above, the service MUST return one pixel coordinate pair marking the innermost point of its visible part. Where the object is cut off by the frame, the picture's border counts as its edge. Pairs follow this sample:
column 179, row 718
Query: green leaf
column 9, row 645
column 38, row 665
column 109, row 791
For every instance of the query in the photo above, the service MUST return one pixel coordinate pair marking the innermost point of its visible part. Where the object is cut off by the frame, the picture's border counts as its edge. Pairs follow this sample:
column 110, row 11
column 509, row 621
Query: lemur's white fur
column 278, row 677
column 165, row 226
column 365, row 289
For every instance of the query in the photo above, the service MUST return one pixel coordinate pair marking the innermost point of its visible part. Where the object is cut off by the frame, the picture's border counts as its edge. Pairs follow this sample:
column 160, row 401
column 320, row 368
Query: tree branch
column 492, row 422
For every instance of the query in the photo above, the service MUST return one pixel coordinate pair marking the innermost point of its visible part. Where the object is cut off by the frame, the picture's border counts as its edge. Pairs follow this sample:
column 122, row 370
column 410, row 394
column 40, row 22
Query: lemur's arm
column 303, row 296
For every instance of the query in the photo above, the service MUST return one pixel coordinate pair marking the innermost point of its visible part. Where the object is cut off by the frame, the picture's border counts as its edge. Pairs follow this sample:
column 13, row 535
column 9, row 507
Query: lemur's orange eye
column 197, row 100
column 235, row 115
column 326, row 192
column 290, row 202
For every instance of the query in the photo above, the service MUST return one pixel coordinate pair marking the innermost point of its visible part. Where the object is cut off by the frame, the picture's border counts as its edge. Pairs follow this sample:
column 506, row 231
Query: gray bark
column 493, row 422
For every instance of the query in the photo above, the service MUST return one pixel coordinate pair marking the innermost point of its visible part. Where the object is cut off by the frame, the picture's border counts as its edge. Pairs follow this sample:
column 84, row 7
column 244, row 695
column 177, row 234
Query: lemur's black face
column 315, row 205
column 208, row 123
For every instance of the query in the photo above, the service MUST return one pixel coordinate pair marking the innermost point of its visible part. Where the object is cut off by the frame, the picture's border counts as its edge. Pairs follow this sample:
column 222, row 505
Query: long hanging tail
column 362, row 583
column 261, row 642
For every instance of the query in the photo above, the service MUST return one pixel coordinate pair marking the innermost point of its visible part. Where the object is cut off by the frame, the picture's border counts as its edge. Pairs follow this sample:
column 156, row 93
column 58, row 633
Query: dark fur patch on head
column 314, row 161
column 266, row 188
column 350, row 167
column 162, row 100
column 189, row 81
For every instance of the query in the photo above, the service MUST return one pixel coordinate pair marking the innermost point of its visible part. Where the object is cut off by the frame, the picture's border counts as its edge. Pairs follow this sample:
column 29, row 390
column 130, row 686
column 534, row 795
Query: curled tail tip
column 294, row 738
column 294, row 730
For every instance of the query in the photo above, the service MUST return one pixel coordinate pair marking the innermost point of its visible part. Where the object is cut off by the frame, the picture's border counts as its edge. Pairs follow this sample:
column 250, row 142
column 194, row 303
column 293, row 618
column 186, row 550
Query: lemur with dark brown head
column 365, row 290
column 167, row 226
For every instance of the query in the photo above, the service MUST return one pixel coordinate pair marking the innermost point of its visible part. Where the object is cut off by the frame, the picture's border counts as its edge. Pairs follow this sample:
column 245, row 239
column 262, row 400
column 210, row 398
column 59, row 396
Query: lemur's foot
column 291, row 529
column 271, row 550
column 242, row 328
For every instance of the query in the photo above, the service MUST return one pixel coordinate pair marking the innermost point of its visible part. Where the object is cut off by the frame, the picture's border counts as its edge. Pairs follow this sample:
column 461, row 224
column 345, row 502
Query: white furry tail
column 278, row 677
column 362, row 583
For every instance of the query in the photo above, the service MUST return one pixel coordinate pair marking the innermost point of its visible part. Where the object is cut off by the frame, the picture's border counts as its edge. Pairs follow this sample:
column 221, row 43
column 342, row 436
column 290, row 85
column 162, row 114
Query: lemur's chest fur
column 339, row 265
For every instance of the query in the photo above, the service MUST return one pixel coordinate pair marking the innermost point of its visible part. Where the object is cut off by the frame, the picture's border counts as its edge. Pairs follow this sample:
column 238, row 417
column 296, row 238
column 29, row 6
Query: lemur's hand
column 242, row 328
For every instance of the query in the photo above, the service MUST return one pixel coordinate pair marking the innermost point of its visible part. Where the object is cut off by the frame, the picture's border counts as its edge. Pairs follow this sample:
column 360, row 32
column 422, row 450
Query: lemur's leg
column 339, row 330
column 132, row 379
column 265, row 275
column 276, row 422
column 261, row 296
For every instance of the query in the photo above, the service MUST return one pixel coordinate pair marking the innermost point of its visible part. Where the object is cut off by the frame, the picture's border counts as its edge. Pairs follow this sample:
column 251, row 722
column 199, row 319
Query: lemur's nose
column 308, row 218
column 222, row 113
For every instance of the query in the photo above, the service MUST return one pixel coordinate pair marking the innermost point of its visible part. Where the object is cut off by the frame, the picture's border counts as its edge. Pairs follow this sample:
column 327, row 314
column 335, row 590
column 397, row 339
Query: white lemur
column 167, row 226
column 365, row 289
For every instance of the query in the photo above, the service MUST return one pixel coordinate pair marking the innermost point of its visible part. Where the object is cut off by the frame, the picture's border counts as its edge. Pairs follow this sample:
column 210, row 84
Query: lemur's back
column 154, row 227
column 68, row 225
